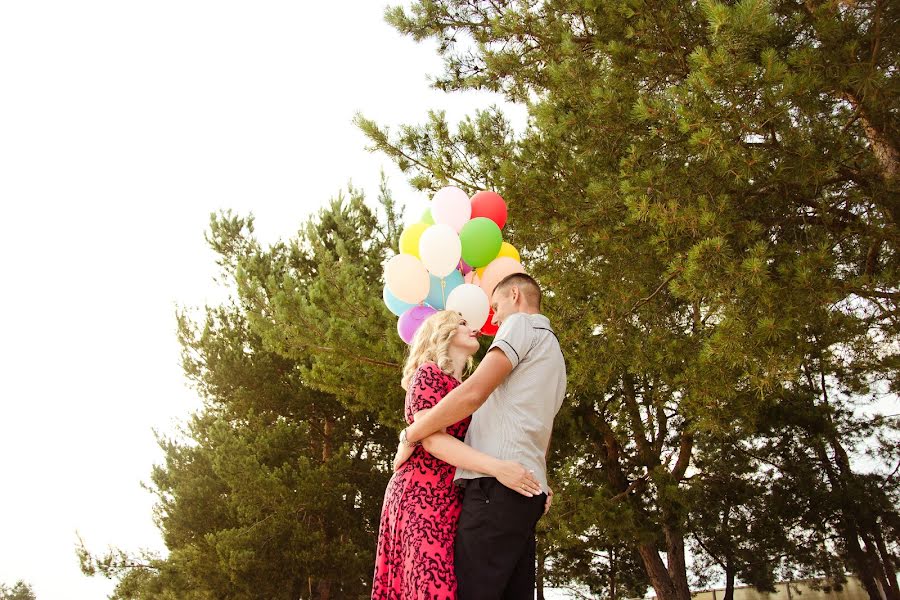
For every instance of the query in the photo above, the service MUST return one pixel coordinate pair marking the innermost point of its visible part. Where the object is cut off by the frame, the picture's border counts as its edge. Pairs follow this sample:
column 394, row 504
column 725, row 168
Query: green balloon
column 481, row 240
column 426, row 217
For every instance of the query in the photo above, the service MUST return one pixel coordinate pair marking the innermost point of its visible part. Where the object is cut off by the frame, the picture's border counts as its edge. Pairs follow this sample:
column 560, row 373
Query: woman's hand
column 517, row 478
column 549, row 500
column 402, row 455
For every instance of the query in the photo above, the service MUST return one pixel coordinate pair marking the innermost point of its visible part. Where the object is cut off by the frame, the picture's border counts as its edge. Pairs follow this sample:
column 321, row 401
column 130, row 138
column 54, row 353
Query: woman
column 421, row 507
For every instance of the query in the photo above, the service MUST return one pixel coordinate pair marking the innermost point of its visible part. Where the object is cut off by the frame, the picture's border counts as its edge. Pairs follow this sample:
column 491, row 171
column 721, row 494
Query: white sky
column 123, row 124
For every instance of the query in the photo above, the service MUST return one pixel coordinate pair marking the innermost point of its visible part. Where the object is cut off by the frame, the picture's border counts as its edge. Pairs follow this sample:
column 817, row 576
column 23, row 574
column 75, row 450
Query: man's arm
column 511, row 474
column 465, row 399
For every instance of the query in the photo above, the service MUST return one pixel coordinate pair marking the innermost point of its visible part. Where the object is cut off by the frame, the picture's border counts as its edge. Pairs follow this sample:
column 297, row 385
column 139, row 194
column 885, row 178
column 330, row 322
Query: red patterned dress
column 414, row 559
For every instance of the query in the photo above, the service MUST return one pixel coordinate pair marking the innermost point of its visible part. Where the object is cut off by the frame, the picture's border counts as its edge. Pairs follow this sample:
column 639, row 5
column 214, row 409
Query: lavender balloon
column 411, row 320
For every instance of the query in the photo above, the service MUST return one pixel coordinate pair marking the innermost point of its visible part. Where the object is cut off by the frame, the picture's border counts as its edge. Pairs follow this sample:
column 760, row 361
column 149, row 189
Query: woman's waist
column 422, row 467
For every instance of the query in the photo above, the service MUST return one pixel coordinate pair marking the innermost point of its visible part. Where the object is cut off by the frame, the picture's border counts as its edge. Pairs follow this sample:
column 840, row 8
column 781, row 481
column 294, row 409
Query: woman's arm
column 511, row 474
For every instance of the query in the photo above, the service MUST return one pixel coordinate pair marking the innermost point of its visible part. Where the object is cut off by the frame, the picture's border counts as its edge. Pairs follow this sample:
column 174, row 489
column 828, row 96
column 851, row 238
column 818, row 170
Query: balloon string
column 443, row 289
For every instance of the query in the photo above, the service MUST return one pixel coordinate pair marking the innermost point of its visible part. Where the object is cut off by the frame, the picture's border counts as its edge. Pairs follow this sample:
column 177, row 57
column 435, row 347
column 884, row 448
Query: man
column 516, row 390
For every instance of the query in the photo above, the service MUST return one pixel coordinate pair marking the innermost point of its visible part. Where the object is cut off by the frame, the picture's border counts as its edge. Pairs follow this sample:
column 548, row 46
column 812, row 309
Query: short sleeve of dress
column 514, row 338
column 426, row 388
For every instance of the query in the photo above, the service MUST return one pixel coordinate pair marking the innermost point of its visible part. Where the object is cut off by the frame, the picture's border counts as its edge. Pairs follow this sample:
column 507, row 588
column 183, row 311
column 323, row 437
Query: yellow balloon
column 507, row 249
column 409, row 239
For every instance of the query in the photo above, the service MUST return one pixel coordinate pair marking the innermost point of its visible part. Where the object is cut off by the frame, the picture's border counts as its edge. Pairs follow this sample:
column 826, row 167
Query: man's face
column 502, row 304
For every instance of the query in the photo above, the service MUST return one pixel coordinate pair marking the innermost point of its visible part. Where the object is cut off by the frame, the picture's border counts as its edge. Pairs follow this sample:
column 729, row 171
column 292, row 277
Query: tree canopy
column 708, row 193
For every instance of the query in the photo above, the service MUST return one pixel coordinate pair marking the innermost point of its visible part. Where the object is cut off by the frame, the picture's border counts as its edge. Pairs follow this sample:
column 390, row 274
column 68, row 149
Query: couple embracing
column 470, row 480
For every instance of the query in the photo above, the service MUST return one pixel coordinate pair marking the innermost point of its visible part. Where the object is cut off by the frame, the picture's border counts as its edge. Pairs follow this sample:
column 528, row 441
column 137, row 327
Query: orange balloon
column 498, row 269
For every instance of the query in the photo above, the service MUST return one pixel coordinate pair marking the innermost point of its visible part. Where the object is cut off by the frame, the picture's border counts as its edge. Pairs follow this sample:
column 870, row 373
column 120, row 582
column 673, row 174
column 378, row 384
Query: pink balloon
column 411, row 320
column 463, row 268
column 499, row 268
column 451, row 206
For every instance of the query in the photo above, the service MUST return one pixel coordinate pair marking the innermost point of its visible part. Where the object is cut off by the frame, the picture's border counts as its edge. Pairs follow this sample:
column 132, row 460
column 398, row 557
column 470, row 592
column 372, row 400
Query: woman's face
column 465, row 338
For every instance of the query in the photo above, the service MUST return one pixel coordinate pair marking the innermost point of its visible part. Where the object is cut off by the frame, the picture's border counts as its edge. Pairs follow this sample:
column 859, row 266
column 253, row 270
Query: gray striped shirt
column 516, row 420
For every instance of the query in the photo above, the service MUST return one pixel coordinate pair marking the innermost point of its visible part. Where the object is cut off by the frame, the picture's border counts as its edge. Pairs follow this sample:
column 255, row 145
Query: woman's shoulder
column 430, row 370
column 427, row 368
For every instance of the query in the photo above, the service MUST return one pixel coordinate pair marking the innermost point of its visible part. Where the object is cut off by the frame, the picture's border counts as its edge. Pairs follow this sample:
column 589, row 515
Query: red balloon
column 490, row 205
column 487, row 328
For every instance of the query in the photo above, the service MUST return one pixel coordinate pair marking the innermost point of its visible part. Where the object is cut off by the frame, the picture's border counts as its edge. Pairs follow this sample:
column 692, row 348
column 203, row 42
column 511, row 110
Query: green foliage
column 317, row 300
column 709, row 191
column 19, row 591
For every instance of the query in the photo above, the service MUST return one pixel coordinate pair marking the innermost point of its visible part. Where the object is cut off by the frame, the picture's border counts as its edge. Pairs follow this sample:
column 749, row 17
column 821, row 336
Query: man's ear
column 514, row 293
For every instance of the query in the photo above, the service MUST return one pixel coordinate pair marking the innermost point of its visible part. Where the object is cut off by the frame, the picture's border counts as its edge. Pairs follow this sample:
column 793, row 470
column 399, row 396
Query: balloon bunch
column 451, row 259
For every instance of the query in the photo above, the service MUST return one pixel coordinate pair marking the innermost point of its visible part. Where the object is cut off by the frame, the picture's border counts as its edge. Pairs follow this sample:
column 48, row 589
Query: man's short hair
column 526, row 284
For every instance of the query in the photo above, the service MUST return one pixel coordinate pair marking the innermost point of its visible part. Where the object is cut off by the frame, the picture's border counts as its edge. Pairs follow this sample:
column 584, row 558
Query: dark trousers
column 495, row 545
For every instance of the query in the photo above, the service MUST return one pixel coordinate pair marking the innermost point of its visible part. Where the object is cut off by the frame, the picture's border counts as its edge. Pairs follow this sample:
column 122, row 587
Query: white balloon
column 407, row 278
column 470, row 301
column 451, row 206
column 440, row 249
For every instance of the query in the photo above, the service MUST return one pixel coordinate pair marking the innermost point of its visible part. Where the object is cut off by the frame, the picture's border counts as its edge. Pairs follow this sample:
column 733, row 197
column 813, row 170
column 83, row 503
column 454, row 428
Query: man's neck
column 529, row 310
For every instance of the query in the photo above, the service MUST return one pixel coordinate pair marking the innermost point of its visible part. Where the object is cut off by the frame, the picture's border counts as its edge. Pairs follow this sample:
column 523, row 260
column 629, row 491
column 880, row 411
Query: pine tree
column 707, row 191
column 19, row 591
column 706, row 188
column 274, row 489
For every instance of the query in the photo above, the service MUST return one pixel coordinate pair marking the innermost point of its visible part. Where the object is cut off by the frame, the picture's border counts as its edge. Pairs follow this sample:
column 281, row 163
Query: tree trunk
column 323, row 591
column 871, row 550
column 843, row 483
column 850, row 529
column 729, row 579
column 890, row 565
column 876, row 566
column 656, row 570
column 886, row 154
column 859, row 557
column 326, row 441
column 677, row 566
column 668, row 583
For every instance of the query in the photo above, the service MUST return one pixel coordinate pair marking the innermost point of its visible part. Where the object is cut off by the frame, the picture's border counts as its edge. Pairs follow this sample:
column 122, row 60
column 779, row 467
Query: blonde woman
column 421, row 507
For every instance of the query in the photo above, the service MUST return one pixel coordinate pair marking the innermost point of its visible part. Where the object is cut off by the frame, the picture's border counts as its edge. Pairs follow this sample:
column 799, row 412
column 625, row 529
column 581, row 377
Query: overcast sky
column 123, row 124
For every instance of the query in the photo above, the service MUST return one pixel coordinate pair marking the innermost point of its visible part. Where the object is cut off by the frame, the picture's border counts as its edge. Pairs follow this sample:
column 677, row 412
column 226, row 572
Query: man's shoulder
column 527, row 323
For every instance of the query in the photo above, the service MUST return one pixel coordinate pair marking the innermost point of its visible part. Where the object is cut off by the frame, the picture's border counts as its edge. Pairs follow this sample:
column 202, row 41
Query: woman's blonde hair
column 432, row 344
